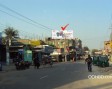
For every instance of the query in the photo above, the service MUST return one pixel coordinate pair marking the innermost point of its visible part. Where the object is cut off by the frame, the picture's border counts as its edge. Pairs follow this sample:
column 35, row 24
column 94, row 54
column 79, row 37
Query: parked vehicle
column 95, row 60
column 101, row 61
column 23, row 60
column 47, row 60
column 27, row 64
column 0, row 66
column 54, row 59
column 20, row 65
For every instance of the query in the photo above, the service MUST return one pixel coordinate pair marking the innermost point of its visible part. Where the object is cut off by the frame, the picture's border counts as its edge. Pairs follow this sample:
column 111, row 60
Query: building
column 107, row 47
column 2, row 50
column 66, row 46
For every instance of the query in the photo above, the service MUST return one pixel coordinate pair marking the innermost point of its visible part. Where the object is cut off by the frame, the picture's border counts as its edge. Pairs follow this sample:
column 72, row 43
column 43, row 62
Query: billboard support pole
column 65, row 51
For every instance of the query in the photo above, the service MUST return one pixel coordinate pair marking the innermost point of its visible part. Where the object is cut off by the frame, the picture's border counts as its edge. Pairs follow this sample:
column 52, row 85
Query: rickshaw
column 104, row 61
column 46, row 59
column 101, row 61
column 95, row 60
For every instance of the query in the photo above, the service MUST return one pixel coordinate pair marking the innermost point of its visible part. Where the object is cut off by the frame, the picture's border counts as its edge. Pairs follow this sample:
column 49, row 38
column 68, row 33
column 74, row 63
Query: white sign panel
column 66, row 34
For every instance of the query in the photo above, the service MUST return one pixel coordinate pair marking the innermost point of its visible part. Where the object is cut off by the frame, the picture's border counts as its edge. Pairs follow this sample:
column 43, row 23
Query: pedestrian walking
column 88, row 60
column 36, row 63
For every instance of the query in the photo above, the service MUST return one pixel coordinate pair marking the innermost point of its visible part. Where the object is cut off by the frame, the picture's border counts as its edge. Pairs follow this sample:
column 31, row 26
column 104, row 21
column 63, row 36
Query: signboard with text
column 66, row 34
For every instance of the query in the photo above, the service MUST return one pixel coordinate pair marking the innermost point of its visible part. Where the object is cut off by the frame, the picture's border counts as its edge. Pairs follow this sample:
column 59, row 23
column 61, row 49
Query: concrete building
column 66, row 46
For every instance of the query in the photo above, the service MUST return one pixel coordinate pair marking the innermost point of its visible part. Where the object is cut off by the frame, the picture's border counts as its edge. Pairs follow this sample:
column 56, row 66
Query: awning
column 55, row 53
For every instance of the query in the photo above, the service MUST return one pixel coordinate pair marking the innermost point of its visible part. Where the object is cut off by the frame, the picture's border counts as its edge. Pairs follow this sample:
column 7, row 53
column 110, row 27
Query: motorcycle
column 20, row 65
column 47, row 60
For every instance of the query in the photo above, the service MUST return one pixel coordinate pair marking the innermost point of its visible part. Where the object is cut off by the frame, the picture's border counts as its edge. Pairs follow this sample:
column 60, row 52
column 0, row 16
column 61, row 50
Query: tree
column 93, row 51
column 10, row 33
column 85, row 48
column 52, row 45
column 3, row 40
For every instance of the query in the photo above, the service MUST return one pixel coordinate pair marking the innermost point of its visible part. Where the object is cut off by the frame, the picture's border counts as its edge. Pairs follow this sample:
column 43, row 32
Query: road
column 65, row 75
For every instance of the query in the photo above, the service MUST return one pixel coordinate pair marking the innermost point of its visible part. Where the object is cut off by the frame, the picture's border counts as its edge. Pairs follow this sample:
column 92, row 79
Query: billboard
column 66, row 34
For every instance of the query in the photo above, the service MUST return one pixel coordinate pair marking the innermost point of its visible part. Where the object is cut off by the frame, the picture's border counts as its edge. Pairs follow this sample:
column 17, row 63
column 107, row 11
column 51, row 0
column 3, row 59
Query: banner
column 66, row 34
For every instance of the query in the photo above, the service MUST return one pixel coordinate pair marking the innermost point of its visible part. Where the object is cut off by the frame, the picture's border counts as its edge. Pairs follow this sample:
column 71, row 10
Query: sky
column 89, row 19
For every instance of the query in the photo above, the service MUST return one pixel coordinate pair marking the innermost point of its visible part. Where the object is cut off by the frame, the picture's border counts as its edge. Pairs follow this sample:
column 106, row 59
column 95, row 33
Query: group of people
column 88, row 60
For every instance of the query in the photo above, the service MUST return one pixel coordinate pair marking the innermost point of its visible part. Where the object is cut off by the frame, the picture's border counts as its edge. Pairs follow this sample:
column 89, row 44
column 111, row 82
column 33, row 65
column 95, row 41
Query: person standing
column 89, row 63
column 36, row 63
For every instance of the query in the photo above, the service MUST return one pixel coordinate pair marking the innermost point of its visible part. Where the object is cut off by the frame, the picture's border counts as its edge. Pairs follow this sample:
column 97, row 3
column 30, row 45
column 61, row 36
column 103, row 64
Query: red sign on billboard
column 64, row 27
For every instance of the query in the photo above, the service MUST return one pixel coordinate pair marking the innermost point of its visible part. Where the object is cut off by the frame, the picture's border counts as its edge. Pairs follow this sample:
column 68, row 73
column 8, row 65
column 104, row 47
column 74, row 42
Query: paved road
column 67, row 75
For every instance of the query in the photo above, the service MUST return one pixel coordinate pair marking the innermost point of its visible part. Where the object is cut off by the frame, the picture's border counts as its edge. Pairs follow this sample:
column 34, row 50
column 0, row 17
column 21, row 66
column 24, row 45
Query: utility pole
column 110, row 32
column 7, row 51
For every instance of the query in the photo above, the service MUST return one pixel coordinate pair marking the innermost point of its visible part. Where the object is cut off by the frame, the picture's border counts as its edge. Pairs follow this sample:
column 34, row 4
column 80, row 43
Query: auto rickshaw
column 103, row 61
column 95, row 60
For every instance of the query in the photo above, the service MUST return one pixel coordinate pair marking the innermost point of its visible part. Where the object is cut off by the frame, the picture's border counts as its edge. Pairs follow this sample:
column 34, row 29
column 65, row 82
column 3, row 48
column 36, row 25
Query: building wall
column 107, row 47
column 65, row 43
column 2, row 53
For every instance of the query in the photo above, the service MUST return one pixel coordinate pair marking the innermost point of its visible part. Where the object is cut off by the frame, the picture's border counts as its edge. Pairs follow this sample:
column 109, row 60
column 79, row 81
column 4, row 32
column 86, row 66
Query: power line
column 23, row 32
column 24, row 16
column 2, row 24
column 18, row 18
column 27, row 34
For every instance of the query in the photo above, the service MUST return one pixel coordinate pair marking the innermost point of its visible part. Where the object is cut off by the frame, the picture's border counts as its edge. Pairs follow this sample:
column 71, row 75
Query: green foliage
column 85, row 48
column 93, row 51
column 52, row 45
column 10, row 32
column 3, row 40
